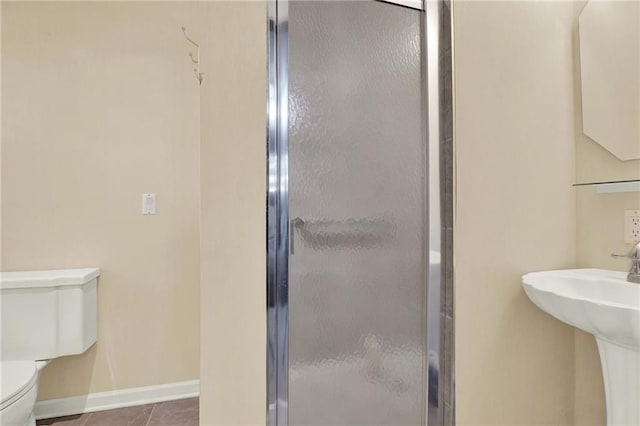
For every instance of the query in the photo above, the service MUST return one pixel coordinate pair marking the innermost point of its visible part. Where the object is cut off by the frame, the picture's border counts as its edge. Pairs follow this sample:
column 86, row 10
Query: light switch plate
column 149, row 203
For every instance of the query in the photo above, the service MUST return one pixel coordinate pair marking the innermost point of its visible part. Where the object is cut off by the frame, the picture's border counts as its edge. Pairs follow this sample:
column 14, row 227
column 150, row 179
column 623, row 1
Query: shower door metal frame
column 278, row 207
column 277, row 213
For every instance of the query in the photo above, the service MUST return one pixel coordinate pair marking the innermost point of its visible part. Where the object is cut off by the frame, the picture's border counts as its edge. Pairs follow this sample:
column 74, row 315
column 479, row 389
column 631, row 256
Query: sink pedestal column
column 621, row 374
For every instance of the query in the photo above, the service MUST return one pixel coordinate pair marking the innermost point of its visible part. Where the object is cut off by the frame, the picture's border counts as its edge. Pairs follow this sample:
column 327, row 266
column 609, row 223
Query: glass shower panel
column 357, row 208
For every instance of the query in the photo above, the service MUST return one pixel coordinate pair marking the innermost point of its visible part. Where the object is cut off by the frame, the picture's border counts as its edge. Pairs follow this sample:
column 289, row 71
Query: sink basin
column 604, row 304
column 597, row 301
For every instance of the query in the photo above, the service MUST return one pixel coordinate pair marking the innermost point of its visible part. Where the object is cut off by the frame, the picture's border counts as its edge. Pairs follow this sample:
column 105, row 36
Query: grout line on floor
column 87, row 419
column 150, row 414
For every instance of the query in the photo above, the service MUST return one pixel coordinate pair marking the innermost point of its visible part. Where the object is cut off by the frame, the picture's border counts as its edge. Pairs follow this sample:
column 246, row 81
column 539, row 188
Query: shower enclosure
column 354, row 214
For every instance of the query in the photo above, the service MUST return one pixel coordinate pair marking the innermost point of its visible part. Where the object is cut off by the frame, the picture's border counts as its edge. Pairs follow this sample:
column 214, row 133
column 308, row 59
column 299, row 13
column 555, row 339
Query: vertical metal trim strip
column 272, row 228
column 282, row 269
column 424, row 112
column 431, row 56
column 277, row 213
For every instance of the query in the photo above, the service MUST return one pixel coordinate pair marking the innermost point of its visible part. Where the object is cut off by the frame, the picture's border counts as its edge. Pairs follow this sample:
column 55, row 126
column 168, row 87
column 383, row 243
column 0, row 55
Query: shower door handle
column 293, row 223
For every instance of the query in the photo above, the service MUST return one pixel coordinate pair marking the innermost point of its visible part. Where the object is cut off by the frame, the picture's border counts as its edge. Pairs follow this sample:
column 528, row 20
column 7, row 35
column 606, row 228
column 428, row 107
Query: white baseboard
column 116, row 399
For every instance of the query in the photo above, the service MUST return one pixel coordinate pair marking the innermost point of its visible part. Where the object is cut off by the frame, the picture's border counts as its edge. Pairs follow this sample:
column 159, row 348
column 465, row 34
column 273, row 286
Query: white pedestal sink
column 604, row 304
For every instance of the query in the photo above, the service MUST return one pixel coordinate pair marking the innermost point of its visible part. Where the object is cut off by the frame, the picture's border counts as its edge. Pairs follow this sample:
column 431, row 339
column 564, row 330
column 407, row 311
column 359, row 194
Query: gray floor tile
column 183, row 412
column 77, row 420
column 128, row 416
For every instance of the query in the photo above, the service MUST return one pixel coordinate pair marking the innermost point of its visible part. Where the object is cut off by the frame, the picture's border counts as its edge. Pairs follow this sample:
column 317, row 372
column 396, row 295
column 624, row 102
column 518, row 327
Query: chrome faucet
column 634, row 255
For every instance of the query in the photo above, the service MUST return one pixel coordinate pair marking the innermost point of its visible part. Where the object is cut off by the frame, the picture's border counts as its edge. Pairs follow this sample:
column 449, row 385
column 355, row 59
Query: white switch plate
column 149, row 203
column 631, row 226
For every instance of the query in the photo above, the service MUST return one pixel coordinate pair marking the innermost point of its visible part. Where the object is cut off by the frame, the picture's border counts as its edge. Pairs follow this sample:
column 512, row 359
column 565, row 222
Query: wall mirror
column 609, row 39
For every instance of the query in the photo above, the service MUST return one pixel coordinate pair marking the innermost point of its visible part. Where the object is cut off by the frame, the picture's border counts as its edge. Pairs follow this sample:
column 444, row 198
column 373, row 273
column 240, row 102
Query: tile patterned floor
column 183, row 412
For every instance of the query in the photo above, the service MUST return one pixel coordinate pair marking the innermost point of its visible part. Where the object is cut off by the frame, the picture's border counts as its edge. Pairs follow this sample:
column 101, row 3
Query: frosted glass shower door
column 357, row 179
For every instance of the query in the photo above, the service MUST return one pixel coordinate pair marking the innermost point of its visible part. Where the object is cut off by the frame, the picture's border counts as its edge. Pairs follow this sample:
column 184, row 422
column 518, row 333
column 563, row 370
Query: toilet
column 43, row 315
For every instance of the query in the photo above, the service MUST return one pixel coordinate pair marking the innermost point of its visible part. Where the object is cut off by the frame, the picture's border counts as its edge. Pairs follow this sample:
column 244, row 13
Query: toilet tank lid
column 52, row 278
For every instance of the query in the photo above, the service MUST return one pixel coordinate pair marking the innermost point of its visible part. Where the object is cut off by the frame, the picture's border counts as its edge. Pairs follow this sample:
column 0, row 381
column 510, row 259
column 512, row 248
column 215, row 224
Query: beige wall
column 82, row 139
column 233, row 195
column 515, row 209
column 600, row 232
column 100, row 105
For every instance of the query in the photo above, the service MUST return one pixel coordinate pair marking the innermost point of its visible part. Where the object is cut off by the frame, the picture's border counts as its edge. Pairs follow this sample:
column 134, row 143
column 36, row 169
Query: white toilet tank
column 47, row 314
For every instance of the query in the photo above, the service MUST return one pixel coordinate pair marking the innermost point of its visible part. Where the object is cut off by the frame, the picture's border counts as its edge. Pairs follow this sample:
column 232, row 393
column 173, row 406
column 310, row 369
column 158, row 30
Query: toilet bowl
column 45, row 315
column 18, row 392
